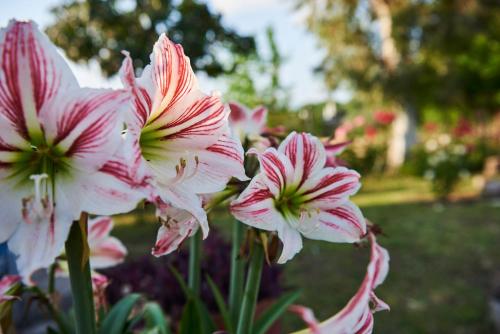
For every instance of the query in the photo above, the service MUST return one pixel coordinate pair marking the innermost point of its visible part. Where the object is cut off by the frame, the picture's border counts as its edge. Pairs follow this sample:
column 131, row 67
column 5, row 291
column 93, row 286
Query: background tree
column 421, row 55
column 101, row 29
column 257, row 79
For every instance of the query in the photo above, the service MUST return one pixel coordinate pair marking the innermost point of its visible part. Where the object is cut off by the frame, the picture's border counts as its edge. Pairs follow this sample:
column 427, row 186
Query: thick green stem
column 194, row 279
column 237, row 272
column 247, row 312
column 79, row 274
column 52, row 280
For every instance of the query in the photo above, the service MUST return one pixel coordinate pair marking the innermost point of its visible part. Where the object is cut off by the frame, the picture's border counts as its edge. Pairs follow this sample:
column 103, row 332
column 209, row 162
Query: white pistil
column 37, row 179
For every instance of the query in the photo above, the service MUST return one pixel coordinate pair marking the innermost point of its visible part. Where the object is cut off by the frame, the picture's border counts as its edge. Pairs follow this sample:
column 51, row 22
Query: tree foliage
column 101, row 29
column 257, row 80
column 446, row 51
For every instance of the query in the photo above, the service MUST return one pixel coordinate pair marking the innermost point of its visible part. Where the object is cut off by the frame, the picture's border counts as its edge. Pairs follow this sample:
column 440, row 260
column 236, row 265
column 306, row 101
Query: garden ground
column 443, row 259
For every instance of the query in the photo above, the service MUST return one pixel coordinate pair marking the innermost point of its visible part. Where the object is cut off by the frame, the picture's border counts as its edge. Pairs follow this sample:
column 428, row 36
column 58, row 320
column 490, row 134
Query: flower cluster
column 68, row 151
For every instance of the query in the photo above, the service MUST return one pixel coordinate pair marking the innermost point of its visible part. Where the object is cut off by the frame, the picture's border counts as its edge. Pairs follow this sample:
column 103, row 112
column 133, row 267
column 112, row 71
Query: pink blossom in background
column 384, row 117
column 246, row 122
column 105, row 250
column 6, row 284
column 371, row 132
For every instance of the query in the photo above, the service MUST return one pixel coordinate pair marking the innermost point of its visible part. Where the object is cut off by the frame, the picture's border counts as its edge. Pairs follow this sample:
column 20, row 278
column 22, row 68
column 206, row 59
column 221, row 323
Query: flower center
column 289, row 203
column 151, row 144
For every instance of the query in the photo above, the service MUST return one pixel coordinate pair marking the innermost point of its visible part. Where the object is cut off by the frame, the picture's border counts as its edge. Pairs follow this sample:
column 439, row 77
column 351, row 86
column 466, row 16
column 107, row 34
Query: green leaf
column 190, row 320
column 275, row 311
column 221, row 304
column 115, row 321
column 155, row 319
column 181, row 281
column 208, row 325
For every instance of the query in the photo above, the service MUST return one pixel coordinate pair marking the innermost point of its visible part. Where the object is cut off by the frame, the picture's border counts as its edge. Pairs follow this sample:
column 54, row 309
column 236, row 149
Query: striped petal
column 177, row 226
column 292, row 242
column 357, row 316
column 31, row 73
column 255, row 207
column 105, row 250
column 7, row 283
column 276, row 170
column 184, row 199
column 120, row 184
column 344, row 223
column 330, row 187
column 172, row 75
column 38, row 240
column 217, row 165
column 306, row 153
column 85, row 124
column 247, row 123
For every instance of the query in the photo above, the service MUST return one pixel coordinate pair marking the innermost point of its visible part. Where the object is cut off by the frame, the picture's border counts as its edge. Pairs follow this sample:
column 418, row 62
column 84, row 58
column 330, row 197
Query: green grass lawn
column 443, row 257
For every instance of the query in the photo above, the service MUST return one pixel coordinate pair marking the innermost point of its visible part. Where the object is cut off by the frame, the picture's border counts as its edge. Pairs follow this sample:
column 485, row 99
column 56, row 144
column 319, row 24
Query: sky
column 299, row 47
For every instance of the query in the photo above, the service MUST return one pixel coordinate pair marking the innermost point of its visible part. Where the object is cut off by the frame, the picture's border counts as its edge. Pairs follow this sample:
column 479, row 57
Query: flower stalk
column 194, row 279
column 245, row 321
column 77, row 252
column 237, row 275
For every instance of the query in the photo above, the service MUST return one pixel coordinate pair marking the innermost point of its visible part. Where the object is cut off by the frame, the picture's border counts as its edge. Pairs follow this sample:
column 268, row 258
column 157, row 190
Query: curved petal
column 172, row 75
column 195, row 122
column 356, row 316
column 255, row 207
column 238, row 114
column 31, row 73
column 259, row 117
column 99, row 229
column 120, row 184
column 85, row 125
column 11, row 207
column 107, row 253
column 177, row 226
column 276, row 170
column 344, row 223
column 39, row 242
column 330, row 187
column 181, row 198
column 292, row 243
column 7, row 284
column 138, row 116
column 306, row 153
column 217, row 165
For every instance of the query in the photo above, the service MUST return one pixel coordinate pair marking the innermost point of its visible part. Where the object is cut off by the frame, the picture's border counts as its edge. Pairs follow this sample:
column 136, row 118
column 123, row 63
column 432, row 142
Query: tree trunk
column 404, row 129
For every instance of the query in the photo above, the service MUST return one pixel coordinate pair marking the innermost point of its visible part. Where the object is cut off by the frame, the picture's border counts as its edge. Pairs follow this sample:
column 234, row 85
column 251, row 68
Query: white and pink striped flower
column 332, row 152
column 295, row 194
column 357, row 316
column 182, row 136
column 246, row 122
column 105, row 250
column 7, row 284
column 54, row 139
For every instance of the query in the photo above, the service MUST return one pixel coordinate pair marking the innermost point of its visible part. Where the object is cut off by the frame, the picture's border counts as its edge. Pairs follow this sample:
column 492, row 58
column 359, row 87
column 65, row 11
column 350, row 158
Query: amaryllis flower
column 246, row 122
column 177, row 226
column 105, row 250
column 295, row 194
column 7, row 283
column 332, row 152
column 99, row 284
column 357, row 316
column 182, row 134
column 54, row 138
